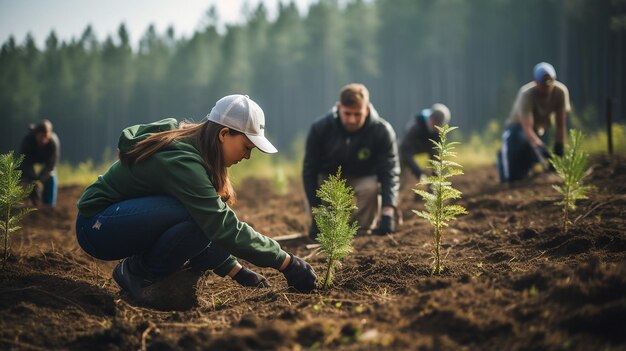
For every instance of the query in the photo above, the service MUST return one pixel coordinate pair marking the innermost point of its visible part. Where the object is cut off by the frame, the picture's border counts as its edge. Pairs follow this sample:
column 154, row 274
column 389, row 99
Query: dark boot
column 176, row 291
column 131, row 277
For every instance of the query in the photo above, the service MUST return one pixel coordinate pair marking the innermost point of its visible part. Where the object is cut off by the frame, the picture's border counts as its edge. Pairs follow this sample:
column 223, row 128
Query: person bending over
column 164, row 206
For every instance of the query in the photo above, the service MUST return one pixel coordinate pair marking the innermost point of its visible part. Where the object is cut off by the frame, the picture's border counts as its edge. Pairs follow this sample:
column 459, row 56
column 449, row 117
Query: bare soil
column 513, row 281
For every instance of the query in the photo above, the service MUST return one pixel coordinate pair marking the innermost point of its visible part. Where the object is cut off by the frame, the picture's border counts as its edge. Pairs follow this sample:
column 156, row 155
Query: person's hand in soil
column 250, row 278
column 299, row 274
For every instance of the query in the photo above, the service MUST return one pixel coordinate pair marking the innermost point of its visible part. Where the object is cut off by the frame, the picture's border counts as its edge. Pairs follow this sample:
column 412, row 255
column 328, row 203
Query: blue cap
column 541, row 69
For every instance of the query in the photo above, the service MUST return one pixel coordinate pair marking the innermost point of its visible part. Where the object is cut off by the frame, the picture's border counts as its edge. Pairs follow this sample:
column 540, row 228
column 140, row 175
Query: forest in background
column 471, row 55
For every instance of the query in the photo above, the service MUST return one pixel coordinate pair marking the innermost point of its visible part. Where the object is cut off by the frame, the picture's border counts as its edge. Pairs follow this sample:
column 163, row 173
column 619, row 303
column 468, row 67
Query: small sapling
column 12, row 194
column 333, row 221
column 572, row 169
column 438, row 210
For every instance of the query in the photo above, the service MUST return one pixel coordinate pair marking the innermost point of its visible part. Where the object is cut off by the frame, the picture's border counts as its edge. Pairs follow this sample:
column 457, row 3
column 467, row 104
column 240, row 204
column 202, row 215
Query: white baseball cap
column 240, row 113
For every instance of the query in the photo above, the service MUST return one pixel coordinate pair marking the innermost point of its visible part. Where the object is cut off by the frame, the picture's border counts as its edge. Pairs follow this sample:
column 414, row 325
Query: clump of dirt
column 513, row 280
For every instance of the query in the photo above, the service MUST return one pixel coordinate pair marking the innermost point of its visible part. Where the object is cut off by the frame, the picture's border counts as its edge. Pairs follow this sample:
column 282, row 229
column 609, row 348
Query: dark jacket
column 372, row 150
column 48, row 155
column 417, row 141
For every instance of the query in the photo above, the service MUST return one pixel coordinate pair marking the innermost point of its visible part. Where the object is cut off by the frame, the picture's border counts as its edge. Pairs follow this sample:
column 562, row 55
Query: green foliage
column 597, row 142
column 280, row 169
column 294, row 62
column 82, row 174
column 333, row 220
column 479, row 149
column 11, row 196
column 439, row 211
column 572, row 169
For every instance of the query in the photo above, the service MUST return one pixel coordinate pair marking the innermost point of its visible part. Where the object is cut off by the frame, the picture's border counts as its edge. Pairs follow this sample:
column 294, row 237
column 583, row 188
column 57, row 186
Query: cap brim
column 262, row 143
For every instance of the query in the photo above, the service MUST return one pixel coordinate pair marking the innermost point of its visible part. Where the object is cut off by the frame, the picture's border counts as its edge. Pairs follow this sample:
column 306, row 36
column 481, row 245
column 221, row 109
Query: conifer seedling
column 12, row 194
column 438, row 210
column 333, row 221
column 572, row 169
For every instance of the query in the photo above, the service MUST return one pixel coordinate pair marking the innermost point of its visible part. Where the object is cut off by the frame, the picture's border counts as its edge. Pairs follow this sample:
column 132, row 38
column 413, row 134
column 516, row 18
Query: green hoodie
column 177, row 170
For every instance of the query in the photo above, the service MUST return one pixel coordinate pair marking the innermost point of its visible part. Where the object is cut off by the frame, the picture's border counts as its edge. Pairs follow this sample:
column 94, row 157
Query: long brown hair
column 206, row 136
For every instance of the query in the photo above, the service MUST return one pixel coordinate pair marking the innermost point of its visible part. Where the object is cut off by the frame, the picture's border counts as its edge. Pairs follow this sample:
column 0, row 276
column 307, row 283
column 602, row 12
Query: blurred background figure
column 41, row 146
column 417, row 140
column 352, row 135
column 539, row 105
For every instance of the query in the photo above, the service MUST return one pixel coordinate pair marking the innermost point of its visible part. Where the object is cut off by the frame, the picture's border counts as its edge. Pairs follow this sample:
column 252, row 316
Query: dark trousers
column 156, row 228
column 516, row 157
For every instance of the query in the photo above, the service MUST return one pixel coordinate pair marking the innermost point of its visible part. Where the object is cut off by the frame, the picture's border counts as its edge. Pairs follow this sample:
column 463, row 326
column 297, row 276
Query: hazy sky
column 69, row 18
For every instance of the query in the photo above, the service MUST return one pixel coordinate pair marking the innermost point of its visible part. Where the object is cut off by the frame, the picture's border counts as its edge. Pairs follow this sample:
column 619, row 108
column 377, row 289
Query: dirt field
column 514, row 281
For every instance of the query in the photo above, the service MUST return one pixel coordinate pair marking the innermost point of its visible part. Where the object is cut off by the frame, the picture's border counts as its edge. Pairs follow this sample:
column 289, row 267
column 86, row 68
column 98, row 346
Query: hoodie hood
column 134, row 134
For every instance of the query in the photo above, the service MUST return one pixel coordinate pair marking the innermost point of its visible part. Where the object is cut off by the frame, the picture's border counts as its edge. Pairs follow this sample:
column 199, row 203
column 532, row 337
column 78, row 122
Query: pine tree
column 11, row 196
column 438, row 210
column 333, row 220
column 571, row 168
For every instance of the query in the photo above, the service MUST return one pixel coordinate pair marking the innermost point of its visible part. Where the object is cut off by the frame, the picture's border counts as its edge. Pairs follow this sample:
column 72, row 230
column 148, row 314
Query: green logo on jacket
column 363, row 154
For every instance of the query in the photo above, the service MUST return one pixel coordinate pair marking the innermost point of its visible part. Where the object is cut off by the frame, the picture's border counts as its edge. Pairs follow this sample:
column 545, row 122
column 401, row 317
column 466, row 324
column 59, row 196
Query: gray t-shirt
column 542, row 108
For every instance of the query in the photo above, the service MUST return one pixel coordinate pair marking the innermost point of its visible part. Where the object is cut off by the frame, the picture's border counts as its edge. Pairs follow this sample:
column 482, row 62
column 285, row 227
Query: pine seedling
column 572, row 169
column 11, row 196
column 439, row 211
column 333, row 221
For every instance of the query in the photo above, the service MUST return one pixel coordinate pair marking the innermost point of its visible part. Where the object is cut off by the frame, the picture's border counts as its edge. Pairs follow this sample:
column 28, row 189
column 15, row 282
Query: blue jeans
column 49, row 195
column 156, row 228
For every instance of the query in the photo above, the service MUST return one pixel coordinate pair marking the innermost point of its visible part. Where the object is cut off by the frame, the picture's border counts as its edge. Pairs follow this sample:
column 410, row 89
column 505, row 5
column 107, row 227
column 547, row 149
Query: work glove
column 558, row 149
column 385, row 226
column 299, row 274
column 248, row 277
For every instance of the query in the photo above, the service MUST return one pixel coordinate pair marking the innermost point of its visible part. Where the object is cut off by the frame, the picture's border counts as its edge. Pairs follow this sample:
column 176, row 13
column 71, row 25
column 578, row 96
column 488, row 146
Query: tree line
column 471, row 55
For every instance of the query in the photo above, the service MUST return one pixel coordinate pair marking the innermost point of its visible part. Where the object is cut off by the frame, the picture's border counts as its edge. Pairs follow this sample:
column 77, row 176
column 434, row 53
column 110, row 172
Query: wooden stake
column 609, row 125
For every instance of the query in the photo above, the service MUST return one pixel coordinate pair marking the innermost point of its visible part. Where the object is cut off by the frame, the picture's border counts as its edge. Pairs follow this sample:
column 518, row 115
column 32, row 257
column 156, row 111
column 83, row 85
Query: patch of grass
column 596, row 143
column 279, row 168
column 479, row 149
column 82, row 174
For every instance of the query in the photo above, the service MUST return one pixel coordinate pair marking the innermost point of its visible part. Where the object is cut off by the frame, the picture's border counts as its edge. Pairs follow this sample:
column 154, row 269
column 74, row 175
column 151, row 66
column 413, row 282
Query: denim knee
column 82, row 228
